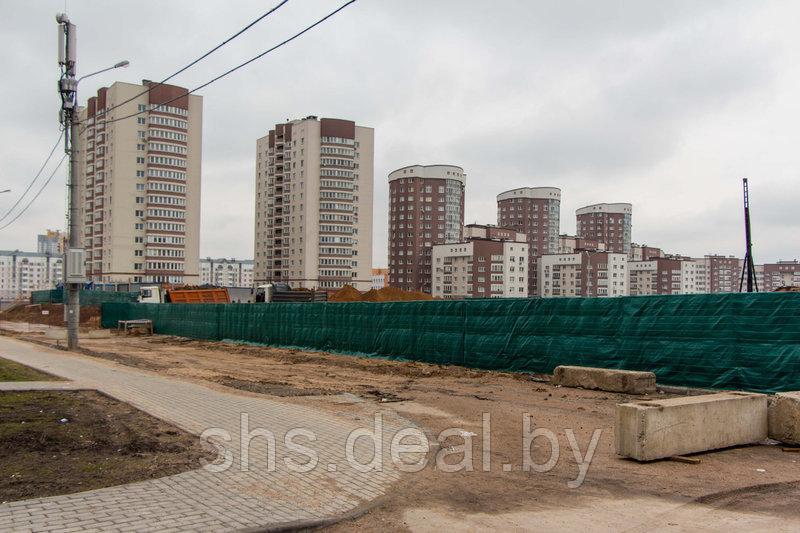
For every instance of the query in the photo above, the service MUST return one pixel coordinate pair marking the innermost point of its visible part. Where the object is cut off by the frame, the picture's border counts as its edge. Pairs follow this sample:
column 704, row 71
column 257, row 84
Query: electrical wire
column 234, row 69
column 36, row 177
column 202, row 57
column 49, row 179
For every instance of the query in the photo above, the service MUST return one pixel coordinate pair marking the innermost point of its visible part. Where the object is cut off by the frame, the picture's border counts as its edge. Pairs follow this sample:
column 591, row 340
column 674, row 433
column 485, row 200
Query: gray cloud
column 663, row 104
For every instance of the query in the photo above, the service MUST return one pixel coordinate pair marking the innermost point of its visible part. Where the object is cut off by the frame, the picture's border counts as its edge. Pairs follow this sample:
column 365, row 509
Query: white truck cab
column 150, row 294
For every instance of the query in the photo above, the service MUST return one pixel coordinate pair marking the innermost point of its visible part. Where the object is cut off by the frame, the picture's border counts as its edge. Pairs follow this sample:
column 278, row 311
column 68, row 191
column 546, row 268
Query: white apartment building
column 482, row 267
column 583, row 273
column 141, row 183
column 23, row 272
column 313, row 205
column 666, row 275
column 226, row 272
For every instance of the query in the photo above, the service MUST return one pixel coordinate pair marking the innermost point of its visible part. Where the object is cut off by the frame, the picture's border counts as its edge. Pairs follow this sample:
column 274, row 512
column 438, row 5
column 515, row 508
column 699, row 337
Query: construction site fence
column 56, row 296
column 719, row 341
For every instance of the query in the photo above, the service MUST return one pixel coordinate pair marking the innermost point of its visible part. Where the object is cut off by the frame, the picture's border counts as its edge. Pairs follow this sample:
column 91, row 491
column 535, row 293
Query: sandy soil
column 751, row 487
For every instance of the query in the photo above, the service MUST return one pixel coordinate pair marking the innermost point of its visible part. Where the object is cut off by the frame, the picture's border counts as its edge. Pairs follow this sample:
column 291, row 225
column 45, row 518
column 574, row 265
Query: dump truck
column 282, row 292
column 157, row 294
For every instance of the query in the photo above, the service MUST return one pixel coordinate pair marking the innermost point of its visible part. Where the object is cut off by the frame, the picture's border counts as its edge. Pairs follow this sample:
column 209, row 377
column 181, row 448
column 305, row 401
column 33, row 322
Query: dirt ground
column 53, row 314
column 59, row 442
column 750, row 487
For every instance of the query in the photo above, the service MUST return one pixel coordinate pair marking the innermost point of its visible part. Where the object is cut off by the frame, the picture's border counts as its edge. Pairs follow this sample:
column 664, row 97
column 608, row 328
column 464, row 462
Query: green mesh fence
column 725, row 341
column 56, row 296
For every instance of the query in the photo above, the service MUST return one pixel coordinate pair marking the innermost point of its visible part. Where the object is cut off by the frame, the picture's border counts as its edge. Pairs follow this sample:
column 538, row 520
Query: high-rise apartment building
column 141, row 183
column 313, row 205
column 583, row 273
column 536, row 212
column 426, row 207
column 608, row 223
column 52, row 242
column 490, row 262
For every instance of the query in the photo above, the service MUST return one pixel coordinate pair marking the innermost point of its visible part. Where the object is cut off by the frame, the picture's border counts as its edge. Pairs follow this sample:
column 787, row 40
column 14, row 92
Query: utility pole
column 74, row 261
column 748, row 266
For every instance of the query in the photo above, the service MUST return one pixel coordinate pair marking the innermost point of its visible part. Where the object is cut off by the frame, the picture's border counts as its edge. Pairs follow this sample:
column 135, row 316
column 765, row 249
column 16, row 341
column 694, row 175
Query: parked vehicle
column 282, row 292
column 157, row 294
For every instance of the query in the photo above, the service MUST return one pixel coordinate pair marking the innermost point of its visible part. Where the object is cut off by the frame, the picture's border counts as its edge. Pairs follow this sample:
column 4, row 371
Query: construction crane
column 748, row 267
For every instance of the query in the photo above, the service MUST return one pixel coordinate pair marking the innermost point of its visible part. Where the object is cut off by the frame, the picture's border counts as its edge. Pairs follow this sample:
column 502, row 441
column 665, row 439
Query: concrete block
column 784, row 417
column 607, row 379
column 59, row 334
column 98, row 334
column 650, row 430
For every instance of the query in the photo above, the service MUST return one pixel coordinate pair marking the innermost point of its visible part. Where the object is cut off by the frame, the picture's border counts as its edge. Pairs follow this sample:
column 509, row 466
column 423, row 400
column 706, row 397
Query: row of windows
column 330, row 217
column 336, row 251
column 171, row 161
column 335, row 206
column 168, row 174
column 164, row 265
column 168, row 134
column 166, row 187
column 333, row 195
column 166, row 213
column 336, row 184
column 165, row 239
column 330, row 228
column 327, row 172
column 336, row 150
column 166, row 121
column 329, row 161
column 166, row 226
column 336, row 273
column 333, row 261
column 338, row 140
column 165, row 252
column 166, row 200
column 171, row 148
column 332, row 239
column 169, row 109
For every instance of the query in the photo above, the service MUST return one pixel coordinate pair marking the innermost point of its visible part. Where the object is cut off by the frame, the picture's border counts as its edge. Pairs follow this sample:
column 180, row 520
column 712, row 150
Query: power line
column 49, row 179
column 234, row 69
column 202, row 57
column 36, row 177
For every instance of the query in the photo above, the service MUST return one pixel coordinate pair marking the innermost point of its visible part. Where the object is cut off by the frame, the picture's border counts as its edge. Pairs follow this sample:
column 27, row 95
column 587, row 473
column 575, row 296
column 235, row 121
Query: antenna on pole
column 748, row 267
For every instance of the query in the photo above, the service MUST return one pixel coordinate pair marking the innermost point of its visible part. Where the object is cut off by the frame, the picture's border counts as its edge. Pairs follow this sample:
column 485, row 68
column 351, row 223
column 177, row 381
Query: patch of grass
column 58, row 442
column 11, row 371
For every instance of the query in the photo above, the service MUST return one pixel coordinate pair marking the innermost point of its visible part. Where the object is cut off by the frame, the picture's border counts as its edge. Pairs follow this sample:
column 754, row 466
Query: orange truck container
column 198, row 296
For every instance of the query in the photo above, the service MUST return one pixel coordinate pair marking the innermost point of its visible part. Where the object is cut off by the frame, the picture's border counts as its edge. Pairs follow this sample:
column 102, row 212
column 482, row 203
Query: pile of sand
column 386, row 294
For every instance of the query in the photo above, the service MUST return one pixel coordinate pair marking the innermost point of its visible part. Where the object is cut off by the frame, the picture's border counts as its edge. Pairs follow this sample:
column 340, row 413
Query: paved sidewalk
column 202, row 500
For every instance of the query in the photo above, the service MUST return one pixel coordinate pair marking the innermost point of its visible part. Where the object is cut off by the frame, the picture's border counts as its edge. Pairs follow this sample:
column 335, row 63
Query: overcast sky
column 663, row 104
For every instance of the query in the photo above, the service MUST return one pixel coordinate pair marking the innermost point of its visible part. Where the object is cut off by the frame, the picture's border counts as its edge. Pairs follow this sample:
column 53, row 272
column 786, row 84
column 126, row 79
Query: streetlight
column 75, row 272
column 7, row 190
column 121, row 64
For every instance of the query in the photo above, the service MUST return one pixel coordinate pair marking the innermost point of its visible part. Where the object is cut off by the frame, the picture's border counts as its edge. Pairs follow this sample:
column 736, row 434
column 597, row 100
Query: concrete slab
column 57, row 334
column 656, row 429
column 784, row 417
column 607, row 379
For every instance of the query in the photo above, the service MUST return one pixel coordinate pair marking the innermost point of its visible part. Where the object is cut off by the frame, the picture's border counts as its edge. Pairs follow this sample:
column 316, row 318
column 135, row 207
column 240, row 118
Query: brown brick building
column 426, row 207
column 534, row 211
column 608, row 223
